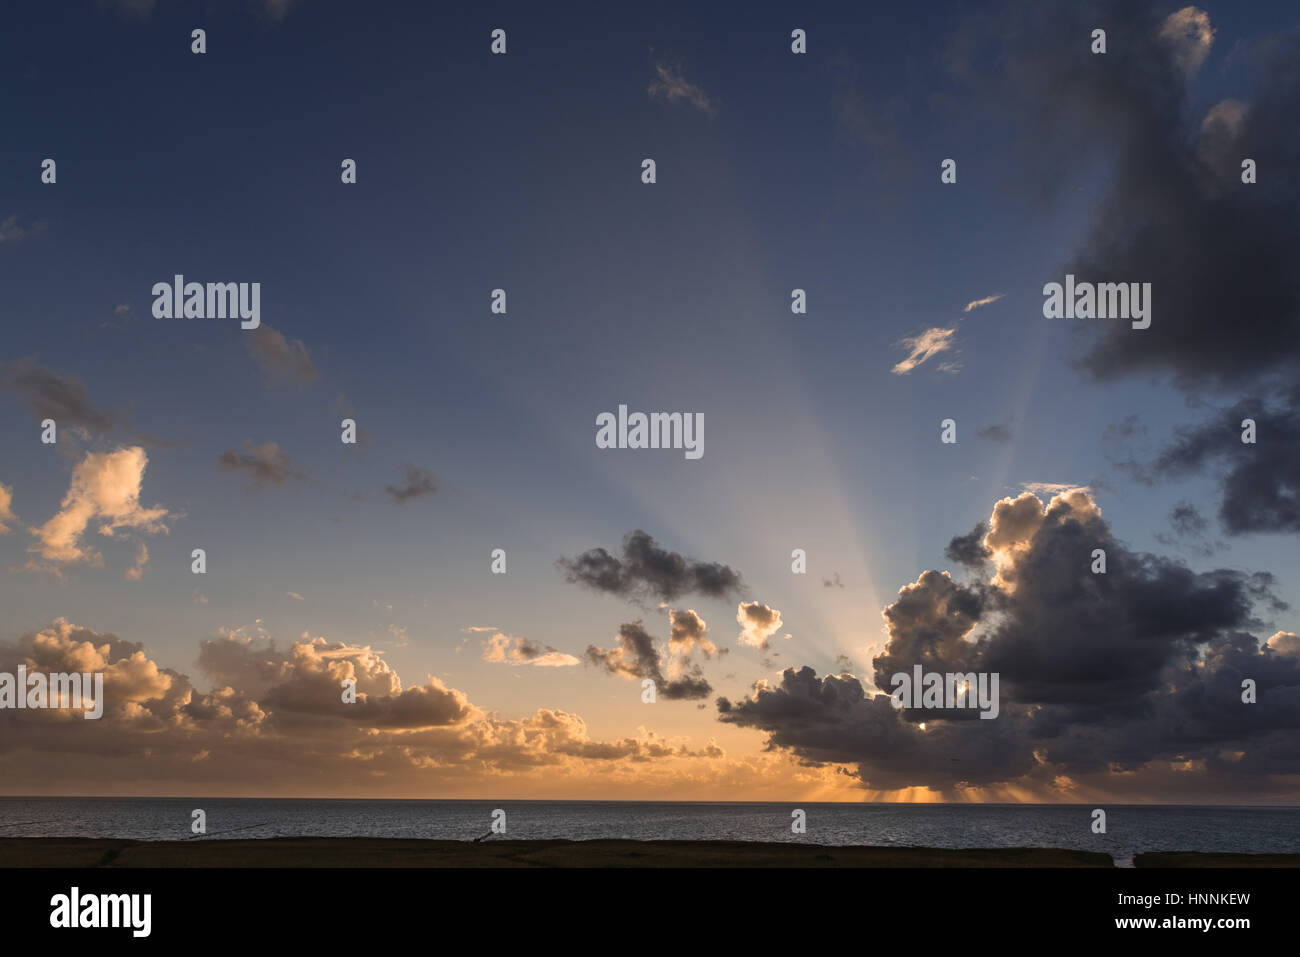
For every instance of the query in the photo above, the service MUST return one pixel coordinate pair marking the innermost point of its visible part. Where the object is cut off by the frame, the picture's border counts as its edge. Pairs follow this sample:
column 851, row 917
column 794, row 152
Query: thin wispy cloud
column 673, row 86
column 927, row 345
column 987, row 300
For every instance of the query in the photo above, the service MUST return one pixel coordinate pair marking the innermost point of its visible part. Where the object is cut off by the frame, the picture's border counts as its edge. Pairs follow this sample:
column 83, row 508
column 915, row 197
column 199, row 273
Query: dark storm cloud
column 995, row 433
column 1220, row 254
column 1131, row 668
column 646, row 570
column 969, row 549
column 635, row 655
column 419, row 482
column 1260, row 481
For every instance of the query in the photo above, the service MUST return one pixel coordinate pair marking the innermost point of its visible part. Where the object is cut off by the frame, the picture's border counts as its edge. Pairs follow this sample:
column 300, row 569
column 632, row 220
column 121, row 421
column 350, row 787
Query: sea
column 1130, row 829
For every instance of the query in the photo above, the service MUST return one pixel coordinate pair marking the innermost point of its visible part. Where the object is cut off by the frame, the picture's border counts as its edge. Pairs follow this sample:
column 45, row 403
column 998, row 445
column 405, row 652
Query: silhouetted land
column 1200, row 859
column 379, row 852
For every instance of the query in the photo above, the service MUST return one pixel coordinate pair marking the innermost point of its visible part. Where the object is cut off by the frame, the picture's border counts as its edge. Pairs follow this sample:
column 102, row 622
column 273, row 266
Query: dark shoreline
column 74, row 852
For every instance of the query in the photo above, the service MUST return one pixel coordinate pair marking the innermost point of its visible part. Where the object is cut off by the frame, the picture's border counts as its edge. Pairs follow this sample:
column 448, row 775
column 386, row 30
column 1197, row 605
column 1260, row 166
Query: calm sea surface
column 1129, row 829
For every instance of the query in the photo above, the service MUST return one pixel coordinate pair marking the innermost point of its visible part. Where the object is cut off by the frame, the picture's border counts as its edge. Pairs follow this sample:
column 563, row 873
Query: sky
column 774, row 171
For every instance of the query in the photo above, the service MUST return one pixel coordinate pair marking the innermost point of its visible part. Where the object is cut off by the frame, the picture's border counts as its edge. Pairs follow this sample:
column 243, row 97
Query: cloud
column 7, row 517
column 56, row 395
column 504, row 649
column 419, row 482
column 63, row 397
column 266, row 464
column 1219, row 253
column 687, row 632
column 105, row 487
column 646, row 570
column 136, row 572
column 1052, row 488
column 10, row 231
column 757, row 623
column 295, row 596
column 995, row 433
column 672, row 86
column 987, row 300
column 281, row 360
column 275, row 722
column 1187, row 32
column 634, row 656
column 833, row 583
column 1259, row 484
column 925, row 346
column 1138, row 670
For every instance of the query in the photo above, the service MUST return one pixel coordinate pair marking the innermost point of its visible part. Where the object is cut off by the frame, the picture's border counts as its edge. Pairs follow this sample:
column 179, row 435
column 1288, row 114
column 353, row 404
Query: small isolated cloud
column 634, row 655
column 419, row 482
column 1188, row 33
column 105, row 488
column 136, row 571
column 672, row 86
column 987, row 300
column 265, row 464
column 51, row 394
column 10, row 231
column 647, row 570
column 198, row 597
column 995, row 433
column 925, row 346
column 294, row 595
column 282, row 360
column 758, row 623
column 482, row 628
column 7, row 517
column 687, row 631
column 833, row 582
column 512, row 650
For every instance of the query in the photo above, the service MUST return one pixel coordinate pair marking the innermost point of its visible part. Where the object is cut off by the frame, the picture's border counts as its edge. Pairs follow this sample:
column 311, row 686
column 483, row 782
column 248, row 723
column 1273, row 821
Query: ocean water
column 1130, row 829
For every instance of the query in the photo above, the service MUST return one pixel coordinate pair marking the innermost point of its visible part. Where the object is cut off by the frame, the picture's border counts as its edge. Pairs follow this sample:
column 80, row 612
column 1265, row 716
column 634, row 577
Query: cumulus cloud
column 645, row 570
column 105, row 489
column 758, row 623
column 1137, row 670
column 670, row 84
column 510, row 650
column 635, row 656
column 418, row 482
column 266, row 464
column 275, row 721
column 687, row 632
column 281, row 360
